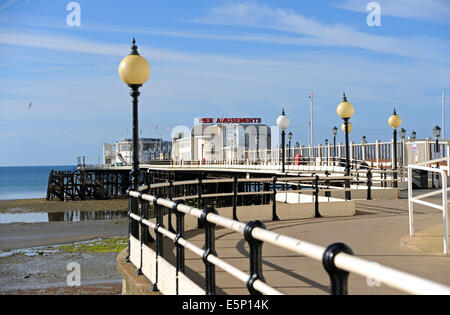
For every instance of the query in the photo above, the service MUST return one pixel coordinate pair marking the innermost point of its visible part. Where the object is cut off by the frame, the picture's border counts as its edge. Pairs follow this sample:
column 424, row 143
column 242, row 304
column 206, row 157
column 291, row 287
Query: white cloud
column 7, row 4
column 433, row 11
column 315, row 33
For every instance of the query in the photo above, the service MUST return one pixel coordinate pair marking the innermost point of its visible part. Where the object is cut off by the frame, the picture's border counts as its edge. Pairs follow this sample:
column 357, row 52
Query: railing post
column 199, row 193
column 274, row 203
column 369, row 185
column 159, row 239
column 235, row 198
column 210, row 249
column 338, row 277
column 316, row 197
column 180, row 265
column 169, row 216
column 255, row 255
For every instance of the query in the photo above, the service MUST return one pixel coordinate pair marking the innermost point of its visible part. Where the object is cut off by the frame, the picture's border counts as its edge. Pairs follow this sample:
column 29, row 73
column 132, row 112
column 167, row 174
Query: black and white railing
column 337, row 259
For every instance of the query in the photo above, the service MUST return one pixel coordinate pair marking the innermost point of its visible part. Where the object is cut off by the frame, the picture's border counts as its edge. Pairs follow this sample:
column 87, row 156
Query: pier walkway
column 374, row 234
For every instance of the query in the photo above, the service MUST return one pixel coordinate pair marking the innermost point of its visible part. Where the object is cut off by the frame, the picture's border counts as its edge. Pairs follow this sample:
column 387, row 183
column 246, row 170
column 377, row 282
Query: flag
column 311, row 94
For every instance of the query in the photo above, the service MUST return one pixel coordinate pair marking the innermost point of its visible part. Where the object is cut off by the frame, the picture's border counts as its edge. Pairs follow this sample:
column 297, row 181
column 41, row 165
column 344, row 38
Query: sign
column 230, row 120
column 414, row 147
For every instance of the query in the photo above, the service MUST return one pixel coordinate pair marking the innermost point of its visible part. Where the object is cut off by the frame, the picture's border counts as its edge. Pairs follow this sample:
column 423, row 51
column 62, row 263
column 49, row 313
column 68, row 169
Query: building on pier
column 150, row 149
column 223, row 140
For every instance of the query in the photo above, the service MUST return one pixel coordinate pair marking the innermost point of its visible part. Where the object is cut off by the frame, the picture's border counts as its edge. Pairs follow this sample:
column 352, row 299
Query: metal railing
column 419, row 199
column 337, row 259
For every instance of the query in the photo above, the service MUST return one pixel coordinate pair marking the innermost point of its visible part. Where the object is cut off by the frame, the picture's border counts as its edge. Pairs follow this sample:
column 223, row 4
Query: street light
column 283, row 123
column 402, row 133
column 134, row 70
column 364, row 140
column 413, row 135
column 334, row 131
column 290, row 139
column 395, row 121
column 346, row 110
column 437, row 135
column 326, row 149
column 203, row 149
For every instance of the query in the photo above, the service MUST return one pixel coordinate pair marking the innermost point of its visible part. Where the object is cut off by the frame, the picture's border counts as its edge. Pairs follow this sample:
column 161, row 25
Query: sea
column 26, row 182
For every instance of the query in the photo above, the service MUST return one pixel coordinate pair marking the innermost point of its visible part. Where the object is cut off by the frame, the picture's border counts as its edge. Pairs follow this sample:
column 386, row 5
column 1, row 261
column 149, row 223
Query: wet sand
column 46, row 273
column 42, row 205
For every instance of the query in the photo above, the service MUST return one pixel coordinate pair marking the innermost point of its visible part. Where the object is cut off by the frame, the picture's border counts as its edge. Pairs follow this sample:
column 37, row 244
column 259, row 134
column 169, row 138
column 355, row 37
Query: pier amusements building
column 217, row 140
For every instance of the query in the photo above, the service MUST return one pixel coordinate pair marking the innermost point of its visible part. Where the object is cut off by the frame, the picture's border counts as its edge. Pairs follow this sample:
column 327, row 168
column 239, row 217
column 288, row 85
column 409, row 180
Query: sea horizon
column 26, row 182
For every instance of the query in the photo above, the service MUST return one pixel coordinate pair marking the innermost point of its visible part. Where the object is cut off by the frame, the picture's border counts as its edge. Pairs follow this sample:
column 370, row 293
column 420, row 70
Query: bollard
column 255, row 255
column 180, row 264
column 274, row 203
column 338, row 277
column 327, row 183
column 316, row 198
column 369, row 185
column 210, row 249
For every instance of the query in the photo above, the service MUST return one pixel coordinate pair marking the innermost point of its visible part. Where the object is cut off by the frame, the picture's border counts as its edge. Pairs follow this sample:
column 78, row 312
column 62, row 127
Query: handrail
column 418, row 199
column 336, row 258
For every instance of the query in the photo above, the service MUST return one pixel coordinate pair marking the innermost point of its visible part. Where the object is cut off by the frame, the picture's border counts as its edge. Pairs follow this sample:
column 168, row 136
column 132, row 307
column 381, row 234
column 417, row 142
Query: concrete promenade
column 374, row 233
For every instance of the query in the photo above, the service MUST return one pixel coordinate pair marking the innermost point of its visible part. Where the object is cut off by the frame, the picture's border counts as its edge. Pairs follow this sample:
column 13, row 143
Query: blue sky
column 214, row 59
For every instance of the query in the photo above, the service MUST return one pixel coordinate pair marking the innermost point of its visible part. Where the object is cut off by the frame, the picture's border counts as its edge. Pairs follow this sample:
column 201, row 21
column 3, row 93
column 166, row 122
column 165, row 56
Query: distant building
column 150, row 149
column 223, row 140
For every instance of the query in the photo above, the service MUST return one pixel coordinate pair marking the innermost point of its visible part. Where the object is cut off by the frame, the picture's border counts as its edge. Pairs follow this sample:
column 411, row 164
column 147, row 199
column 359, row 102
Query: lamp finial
column 134, row 48
column 345, row 98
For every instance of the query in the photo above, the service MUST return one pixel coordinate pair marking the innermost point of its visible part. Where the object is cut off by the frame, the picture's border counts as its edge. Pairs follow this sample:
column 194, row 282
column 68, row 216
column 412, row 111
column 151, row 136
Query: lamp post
column 413, row 136
column 134, row 70
column 437, row 135
column 346, row 110
column 395, row 121
column 334, row 131
column 402, row 134
column 283, row 123
column 326, row 149
column 289, row 150
column 203, row 150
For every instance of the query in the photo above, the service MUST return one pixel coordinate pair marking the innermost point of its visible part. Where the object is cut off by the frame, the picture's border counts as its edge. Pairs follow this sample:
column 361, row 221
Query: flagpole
column 443, row 113
column 312, row 118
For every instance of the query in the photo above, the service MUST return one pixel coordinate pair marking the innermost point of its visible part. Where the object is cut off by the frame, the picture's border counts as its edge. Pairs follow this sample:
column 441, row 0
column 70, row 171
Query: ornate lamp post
column 334, row 131
column 203, row 150
column 395, row 121
column 346, row 110
column 283, row 123
column 437, row 135
column 134, row 70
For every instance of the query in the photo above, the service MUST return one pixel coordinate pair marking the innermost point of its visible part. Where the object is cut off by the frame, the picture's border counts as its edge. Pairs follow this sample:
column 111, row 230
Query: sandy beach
column 32, row 260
